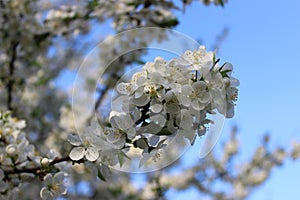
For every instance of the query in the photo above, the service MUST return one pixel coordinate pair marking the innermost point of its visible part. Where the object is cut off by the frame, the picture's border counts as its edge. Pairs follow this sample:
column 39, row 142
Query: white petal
column 156, row 108
column 59, row 177
column 77, row 153
column 144, row 159
column 205, row 97
column 91, row 154
column 20, row 124
column 141, row 81
column 131, row 133
column 182, row 61
column 116, row 121
column 159, row 119
column 105, row 171
column 119, row 143
column 113, row 136
column 234, row 82
column 155, row 77
column 195, row 105
column 52, row 154
column 48, row 179
column 187, row 90
column 171, row 127
column 186, row 120
column 143, row 100
column 199, row 86
column 74, row 139
column 136, row 114
column 189, row 134
column 230, row 110
column 227, row 66
column 139, row 92
column 175, row 86
column 3, row 186
column 45, row 193
column 172, row 108
column 185, row 101
column 123, row 88
column 62, row 190
column 152, row 128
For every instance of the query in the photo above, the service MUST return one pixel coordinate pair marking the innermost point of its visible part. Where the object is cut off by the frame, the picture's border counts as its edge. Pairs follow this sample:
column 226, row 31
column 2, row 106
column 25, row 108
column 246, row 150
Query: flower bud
column 44, row 161
column 11, row 150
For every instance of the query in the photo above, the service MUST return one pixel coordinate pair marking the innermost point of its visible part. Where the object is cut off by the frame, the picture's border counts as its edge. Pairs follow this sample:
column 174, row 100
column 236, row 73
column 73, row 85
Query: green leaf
column 222, row 66
column 224, row 73
column 214, row 57
column 141, row 143
column 222, row 3
column 122, row 156
column 168, row 23
column 6, row 114
column 100, row 175
column 36, row 64
column 140, row 62
column 93, row 4
column 164, row 132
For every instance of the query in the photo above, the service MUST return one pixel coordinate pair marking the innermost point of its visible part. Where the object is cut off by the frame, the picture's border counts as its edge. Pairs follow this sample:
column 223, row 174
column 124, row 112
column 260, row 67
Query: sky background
column 263, row 44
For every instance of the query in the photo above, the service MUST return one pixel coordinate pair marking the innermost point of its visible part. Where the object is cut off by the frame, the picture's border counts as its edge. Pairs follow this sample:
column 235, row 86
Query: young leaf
column 100, row 175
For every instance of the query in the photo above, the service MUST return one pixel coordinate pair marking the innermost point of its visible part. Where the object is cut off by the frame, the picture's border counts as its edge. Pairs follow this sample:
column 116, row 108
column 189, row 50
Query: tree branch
column 10, row 83
column 39, row 169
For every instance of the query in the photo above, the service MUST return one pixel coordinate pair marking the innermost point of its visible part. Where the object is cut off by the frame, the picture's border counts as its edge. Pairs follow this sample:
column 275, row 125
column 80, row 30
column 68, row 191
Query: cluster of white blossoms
column 166, row 99
column 177, row 95
column 15, row 150
column 19, row 161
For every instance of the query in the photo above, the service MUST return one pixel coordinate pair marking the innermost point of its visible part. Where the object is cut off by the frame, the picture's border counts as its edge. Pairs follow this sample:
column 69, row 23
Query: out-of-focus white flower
column 54, row 186
column 239, row 191
column 296, row 150
column 87, row 145
column 3, row 184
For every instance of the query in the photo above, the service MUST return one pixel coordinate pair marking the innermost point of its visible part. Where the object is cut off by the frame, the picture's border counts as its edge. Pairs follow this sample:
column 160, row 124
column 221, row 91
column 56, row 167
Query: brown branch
column 101, row 97
column 10, row 83
column 39, row 169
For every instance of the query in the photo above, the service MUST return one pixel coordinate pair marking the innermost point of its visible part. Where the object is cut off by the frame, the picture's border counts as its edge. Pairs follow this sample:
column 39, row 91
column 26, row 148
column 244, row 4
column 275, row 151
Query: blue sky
column 263, row 44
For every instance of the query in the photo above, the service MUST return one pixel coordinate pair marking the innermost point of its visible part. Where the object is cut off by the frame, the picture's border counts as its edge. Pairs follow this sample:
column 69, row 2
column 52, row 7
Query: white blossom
column 54, row 186
column 87, row 145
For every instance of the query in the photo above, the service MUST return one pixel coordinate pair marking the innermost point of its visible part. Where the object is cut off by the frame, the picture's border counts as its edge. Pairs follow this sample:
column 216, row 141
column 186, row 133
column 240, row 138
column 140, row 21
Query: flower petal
column 45, row 193
column 48, row 179
column 77, row 153
column 92, row 154
column 123, row 88
column 59, row 177
column 142, row 100
column 74, row 139
column 3, row 186
column 156, row 108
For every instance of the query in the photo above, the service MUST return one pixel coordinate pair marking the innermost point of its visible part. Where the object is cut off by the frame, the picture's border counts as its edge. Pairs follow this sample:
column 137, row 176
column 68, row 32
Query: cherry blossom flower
column 54, row 186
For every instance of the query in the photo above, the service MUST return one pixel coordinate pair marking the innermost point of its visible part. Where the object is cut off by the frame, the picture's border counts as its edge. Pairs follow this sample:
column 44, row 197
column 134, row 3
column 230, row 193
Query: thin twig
column 37, row 170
